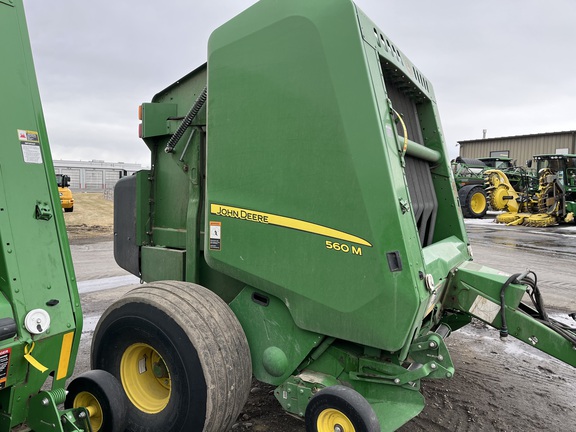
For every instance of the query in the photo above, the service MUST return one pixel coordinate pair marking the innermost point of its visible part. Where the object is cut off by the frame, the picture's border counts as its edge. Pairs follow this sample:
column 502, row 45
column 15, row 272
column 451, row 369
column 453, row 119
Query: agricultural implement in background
column 551, row 202
column 470, row 178
column 299, row 222
column 66, row 198
column 40, row 315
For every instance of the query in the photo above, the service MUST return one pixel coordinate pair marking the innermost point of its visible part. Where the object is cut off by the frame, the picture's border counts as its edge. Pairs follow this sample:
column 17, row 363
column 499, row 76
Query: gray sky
column 505, row 66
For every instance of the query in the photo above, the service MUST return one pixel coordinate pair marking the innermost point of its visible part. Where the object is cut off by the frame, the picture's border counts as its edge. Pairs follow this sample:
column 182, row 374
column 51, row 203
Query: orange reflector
column 140, row 112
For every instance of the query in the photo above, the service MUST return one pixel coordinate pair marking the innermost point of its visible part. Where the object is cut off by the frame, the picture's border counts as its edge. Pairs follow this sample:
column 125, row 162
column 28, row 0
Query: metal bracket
column 44, row 415
column 43, row 211
column 431, row 360
column 295, row 393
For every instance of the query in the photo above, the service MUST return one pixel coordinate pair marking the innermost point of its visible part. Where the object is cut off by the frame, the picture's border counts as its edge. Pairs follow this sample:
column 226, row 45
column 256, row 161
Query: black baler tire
column 465, row 195
column 348, row 402
column 105, row 389
column 200, row 340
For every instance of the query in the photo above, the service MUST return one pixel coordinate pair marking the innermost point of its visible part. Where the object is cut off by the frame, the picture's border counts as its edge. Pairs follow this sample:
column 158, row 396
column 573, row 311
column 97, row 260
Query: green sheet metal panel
column 305, row 186
column 35, row 262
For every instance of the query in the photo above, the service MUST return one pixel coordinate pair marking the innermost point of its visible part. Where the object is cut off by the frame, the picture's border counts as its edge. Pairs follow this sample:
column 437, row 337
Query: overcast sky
column 505, row 66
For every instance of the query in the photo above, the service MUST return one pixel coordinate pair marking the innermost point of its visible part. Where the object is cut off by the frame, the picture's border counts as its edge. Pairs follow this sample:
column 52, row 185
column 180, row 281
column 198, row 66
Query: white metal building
column 94, row 175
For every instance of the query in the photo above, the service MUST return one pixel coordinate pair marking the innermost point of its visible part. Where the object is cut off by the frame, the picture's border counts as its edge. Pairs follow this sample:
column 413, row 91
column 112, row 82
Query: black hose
column 198, row 104
column 504, row 327
column 542, row 316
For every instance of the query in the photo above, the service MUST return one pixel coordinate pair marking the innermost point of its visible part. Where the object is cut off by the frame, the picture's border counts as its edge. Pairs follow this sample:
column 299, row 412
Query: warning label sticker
column 30, row 143
column 31, row 152
column 215, row 235
column 26, row 135
column 4, row 363
column 484, row 309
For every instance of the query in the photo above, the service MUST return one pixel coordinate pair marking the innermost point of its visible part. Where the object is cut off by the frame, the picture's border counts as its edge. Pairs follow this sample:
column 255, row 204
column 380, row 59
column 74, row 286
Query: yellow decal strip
column 35, row 363
column 283, row 221
column 65, row 355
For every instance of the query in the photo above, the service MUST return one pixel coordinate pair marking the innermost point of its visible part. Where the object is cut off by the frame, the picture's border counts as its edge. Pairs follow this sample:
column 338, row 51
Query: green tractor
column 474, row 190
column 498, row 162
column 560, row 173
column 469, row 178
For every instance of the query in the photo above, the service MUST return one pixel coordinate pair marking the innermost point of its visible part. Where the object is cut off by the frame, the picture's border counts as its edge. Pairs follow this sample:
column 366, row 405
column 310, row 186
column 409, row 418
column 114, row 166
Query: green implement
column 40, row 315
column 300, row 223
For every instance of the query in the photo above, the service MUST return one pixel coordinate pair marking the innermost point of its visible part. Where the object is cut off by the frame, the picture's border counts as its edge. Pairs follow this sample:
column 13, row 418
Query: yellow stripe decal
column 283, row 221
column 33, row 362
column 65, row 355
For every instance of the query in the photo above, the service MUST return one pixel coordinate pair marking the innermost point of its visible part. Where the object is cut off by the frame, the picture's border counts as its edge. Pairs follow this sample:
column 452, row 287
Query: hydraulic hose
column 539, row 313
column 198, row 104
column 504, row 327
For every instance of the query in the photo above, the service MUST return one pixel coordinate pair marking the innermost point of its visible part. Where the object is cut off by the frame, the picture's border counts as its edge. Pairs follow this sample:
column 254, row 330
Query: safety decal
column 26, row 135
column 282, row 221
column 484, row 309
column 30, row 143
column 4, row 363
column 215, row 235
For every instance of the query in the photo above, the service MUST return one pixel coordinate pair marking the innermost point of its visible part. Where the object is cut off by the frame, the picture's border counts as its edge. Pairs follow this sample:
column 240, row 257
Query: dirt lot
column 498, row 386
column 92, row 217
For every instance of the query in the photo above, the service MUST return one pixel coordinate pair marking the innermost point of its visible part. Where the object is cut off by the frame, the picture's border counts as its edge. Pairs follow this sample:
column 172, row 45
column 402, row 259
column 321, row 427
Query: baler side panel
column 295, row 133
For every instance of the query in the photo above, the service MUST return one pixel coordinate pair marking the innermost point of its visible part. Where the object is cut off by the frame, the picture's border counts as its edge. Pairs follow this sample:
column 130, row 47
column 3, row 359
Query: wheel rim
column 331, row 420
column 88, row 401
column 145, row 378
column 478, row 203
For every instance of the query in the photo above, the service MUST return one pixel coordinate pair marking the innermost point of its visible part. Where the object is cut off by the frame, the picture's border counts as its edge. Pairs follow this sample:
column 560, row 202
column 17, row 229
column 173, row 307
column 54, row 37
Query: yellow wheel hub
column 497, row 200
column 332, row 420
column 88, row 401
column 145, row 378
column 478, row 203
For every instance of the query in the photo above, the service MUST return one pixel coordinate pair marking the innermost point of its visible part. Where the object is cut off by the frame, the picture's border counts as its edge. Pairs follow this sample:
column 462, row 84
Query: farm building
column 520, row 147
column 94, row 175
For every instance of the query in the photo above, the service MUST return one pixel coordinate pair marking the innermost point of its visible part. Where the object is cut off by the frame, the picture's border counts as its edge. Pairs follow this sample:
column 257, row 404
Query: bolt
column 301, row 414
column 301, row 391
column 433, row 365
column 338, row 428
column 45, row 401
column 82, row 415
column 397, row 381
column 432, row 344
column 440, row 358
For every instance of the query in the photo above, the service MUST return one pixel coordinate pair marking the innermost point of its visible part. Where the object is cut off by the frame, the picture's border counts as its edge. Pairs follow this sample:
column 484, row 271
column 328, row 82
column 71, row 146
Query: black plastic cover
column 126, row 251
